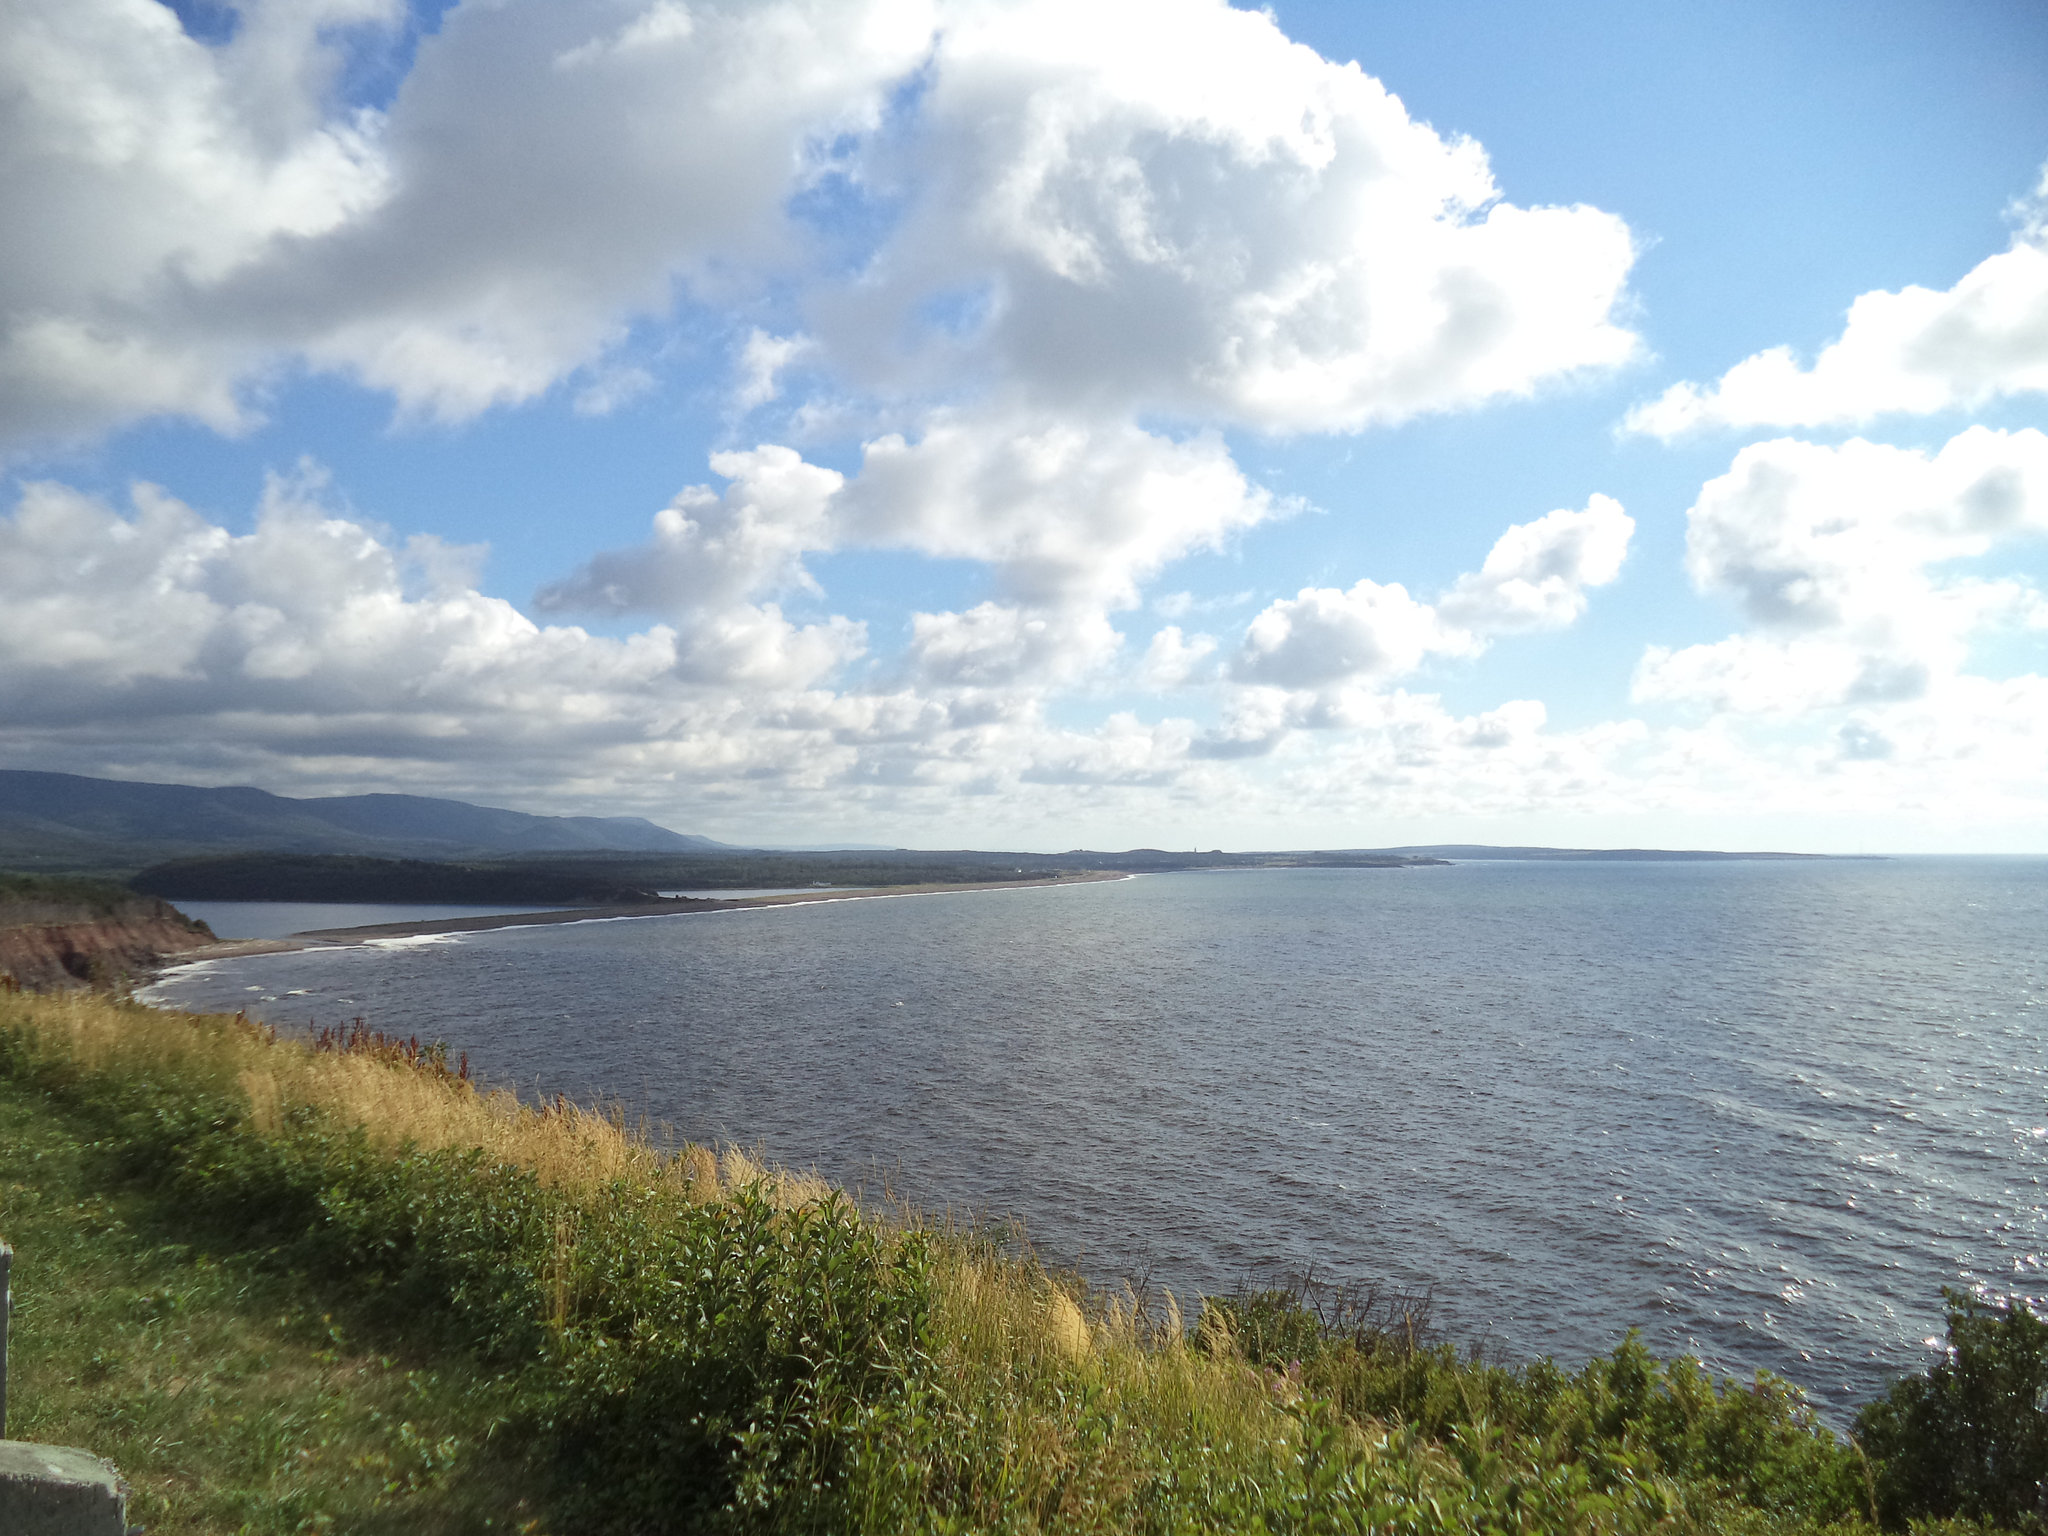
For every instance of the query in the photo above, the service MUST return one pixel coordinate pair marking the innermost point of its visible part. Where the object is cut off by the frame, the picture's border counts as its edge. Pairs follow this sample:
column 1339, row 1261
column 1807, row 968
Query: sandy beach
column 678, row 906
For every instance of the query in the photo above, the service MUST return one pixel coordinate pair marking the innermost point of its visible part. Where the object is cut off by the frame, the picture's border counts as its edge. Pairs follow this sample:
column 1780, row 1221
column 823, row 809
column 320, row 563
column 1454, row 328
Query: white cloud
column 610, row 387
column 190, row 218
column 998, row 645
column 749, row 646
column 710, row 549
column 309, row 615
column 141, row 170
column 312, row 639
column 1098, row 238
column 1917, row 350
column 1323, row 636
column 186, row 216
column 708, row 555
column 313, row 653
column 1534, row 577
column 1063, row 511
column 1836, row 556
column 1123, row 753
column 762, row 359
column 1166, row 204
column 1172, row 659
column 1070, row 519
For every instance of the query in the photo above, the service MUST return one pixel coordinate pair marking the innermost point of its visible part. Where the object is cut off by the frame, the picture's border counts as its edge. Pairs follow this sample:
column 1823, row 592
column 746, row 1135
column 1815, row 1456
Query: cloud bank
column 314, row 649
column 1005, row 284
column 1842, row 563
column 1915, row 351
column 1217, row 222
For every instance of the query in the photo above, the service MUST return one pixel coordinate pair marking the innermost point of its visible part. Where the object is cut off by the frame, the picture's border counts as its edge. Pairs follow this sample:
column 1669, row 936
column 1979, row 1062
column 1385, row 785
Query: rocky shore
column 50, row 949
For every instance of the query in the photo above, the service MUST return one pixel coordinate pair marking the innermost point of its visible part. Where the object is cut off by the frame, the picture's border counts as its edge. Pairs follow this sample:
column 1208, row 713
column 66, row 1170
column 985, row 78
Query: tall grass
column 696, row 1341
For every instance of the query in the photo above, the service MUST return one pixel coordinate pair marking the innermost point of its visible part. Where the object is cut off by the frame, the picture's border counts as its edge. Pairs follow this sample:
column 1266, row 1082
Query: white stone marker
column 56, row 1490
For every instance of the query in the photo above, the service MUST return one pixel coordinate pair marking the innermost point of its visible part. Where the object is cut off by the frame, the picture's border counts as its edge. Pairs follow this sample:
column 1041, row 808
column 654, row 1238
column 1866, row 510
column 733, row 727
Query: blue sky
column 1040, row 424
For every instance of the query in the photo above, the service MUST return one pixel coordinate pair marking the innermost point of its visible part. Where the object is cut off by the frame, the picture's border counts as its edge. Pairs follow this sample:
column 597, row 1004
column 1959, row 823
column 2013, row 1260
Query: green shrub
column 1619, row 1418
column 720, row 1355
column 1969, row 1437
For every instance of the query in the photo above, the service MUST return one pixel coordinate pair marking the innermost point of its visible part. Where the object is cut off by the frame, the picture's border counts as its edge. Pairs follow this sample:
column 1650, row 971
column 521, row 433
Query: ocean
column 1759, row 1111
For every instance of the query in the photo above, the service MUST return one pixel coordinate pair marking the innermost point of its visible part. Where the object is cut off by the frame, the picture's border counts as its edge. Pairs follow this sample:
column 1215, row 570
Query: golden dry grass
column 396, row 1104
column 996, row 1319
column 992, row 1310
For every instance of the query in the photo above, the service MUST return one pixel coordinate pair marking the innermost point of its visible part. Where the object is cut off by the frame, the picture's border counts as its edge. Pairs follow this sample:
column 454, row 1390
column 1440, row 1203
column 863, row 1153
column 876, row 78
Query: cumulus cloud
column 1088, row 242
column 1161, row 204
column 1324, row 636
column 762, row 359
column 142, row 170
column 160, row 614
column 1001, row 645
column 1917, row 350
column 1173, row 659
column 316, row 653
column 1534, row 577
column 1838, row 559
column 188, row 215
column 1069, row 518
column 1061, row 509
column 1166, row 204
column 709, row 549
column 311, row 642
column 708, row 555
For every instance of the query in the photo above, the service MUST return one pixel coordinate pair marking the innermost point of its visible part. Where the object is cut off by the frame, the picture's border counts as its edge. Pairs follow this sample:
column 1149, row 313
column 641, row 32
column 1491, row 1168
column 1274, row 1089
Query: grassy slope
column 243, row 1232
column 231, row 1396
column 69, row 898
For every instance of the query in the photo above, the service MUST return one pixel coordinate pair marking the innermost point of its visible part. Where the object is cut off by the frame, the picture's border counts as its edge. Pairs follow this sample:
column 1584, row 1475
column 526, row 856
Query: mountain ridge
column 51, row 820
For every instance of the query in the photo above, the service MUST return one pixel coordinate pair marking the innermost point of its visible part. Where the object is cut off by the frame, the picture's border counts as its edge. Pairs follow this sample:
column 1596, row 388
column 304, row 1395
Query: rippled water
column 280, row 919
column 1762, row 1111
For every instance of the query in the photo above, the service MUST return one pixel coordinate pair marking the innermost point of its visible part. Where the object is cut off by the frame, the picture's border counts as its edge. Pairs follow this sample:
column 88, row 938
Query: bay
column 1760, row 1111
column 281, row 919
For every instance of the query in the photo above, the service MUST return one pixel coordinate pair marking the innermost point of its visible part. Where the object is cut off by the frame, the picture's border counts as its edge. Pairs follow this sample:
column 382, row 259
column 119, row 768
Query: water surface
column 281, row 919
column 1761, row 1111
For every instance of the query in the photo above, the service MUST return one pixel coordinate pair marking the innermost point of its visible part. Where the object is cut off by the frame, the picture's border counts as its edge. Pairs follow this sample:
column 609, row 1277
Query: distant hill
column 67, row 821
column 1476, row 851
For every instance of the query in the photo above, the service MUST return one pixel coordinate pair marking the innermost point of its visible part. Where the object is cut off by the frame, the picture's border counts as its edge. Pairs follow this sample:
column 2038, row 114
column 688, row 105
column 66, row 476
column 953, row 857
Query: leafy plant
column 1969, row 1437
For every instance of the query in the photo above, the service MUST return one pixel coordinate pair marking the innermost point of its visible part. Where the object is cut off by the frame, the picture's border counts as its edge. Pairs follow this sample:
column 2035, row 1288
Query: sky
column 1040, row 423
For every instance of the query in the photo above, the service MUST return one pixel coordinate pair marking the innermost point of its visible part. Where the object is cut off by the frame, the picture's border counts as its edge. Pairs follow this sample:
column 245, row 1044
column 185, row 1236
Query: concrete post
column 6, row 1313
column 54, row 1490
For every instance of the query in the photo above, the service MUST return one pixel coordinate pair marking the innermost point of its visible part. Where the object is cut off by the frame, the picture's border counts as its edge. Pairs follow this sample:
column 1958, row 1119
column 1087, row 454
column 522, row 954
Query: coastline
column 679, row 906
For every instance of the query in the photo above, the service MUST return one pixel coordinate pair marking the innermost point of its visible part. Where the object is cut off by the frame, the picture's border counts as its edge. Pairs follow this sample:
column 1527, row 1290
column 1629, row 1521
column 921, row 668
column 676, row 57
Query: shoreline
column 678, row 906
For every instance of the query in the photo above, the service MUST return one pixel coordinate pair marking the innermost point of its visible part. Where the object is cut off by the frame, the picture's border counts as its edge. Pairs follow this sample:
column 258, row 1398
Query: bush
column 1619, row 1418
column 1969, row 1438
column 721, row 1357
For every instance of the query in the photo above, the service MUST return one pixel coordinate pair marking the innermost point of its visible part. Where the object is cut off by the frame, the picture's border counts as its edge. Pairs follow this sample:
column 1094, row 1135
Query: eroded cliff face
column 105, row 949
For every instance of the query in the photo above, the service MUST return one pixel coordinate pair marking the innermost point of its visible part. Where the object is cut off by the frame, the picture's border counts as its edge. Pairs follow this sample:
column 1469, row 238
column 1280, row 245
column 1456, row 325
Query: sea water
column 281, row 919
column 1761, row 1111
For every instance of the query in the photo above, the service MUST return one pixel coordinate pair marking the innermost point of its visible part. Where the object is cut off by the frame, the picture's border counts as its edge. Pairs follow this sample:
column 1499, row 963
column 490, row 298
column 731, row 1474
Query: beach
column 676, row 906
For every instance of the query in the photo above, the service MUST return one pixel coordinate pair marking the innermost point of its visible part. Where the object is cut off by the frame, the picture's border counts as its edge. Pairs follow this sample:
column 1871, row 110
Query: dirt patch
column 103, row 952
